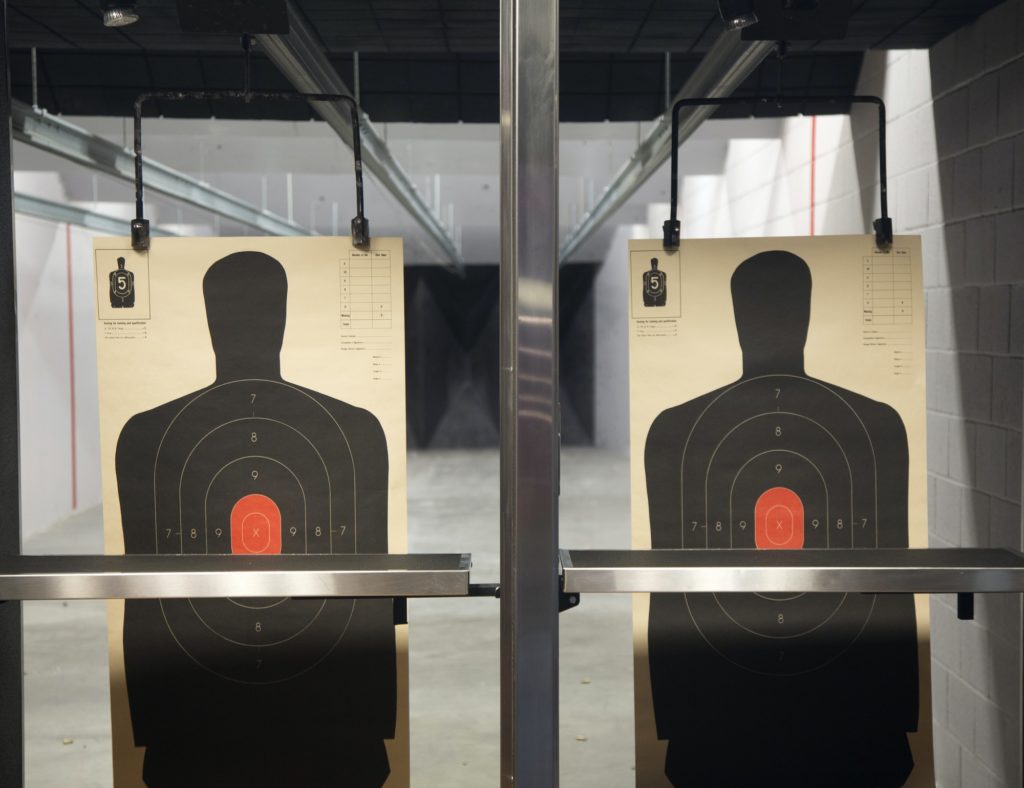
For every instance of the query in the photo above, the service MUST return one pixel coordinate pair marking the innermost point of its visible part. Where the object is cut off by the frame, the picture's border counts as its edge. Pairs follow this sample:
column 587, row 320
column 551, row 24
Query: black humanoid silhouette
column 122, row 287
column 795, row 690
column 655, row 293
column 257, row 692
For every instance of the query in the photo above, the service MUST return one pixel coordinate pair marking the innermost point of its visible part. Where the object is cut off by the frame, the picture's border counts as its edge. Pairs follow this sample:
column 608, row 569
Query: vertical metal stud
column 529, row 393
column 11, row 758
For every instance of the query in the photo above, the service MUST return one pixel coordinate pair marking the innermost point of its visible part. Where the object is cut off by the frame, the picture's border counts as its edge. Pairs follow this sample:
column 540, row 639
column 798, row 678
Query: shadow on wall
column 452, row 333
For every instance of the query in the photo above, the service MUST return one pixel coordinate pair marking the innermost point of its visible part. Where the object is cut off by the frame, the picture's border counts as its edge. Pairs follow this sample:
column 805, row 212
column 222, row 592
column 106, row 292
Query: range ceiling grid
column 438, row 61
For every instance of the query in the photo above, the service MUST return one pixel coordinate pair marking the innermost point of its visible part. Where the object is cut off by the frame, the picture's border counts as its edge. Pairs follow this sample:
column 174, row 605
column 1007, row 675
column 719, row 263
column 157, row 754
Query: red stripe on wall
column 71, row 370
column 814, row 156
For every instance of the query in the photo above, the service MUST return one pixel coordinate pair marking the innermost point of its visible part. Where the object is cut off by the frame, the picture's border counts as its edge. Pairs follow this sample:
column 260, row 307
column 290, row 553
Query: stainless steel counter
column 169, row 576
column 958, row 570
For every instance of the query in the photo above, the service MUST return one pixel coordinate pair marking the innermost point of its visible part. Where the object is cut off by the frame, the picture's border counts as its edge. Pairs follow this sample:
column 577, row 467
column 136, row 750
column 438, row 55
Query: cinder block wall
column 970, row 210
column 956, row 177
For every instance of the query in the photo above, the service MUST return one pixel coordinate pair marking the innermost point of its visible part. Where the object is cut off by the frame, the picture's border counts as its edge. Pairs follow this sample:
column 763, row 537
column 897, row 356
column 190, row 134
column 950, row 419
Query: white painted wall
column 55, row 307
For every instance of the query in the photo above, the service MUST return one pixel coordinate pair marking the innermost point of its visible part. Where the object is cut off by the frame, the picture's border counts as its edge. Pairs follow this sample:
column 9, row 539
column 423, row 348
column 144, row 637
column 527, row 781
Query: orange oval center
column 779, row 520
column 255, row 526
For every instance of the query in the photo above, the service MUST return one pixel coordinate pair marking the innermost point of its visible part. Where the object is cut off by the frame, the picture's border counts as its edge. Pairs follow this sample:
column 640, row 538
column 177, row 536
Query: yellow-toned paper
column 777, row 402
column 252, row 397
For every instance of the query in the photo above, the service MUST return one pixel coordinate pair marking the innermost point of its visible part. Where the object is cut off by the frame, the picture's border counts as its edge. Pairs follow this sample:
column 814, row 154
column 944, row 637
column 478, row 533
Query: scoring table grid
column 365, row 280
column 888, row 288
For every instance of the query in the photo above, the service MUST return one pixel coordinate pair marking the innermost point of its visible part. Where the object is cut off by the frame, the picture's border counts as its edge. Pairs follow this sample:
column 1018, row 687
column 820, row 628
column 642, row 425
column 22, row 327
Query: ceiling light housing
column 737, row 14
column 119, row 14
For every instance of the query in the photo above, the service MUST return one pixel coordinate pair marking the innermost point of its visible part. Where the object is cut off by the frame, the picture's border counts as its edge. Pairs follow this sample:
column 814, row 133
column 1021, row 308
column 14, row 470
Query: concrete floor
column 454, row 687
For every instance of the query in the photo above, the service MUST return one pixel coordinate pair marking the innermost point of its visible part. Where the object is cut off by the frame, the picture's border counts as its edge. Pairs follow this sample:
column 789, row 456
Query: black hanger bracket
column 140, row 225
column 883, row 226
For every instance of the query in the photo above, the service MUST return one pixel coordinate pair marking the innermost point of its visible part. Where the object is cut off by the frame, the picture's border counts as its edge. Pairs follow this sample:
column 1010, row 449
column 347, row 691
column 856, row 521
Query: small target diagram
column 654, row 286
column 122, row 287
column 777, row 460
column 255, row 465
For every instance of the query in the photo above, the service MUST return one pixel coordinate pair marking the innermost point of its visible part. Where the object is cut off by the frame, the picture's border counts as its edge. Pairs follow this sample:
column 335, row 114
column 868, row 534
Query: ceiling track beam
column 55, row 135
column 729, row 61
column 300, row 56
column 66, row 213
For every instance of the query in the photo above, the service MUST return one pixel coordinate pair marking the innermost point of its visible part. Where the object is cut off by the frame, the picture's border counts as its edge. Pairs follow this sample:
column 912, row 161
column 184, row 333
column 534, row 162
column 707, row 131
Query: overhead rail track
column 300, row 56
column 61, row 138
column 72, row 214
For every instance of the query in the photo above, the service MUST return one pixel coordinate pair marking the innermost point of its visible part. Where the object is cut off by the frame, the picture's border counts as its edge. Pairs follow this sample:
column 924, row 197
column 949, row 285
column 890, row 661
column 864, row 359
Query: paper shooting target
column 251, row 465
column 255, row 467
column 779, row 460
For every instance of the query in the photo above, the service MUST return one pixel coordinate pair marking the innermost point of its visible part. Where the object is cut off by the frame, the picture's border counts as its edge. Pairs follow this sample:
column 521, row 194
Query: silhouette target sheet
column 779, row 405
column 255, row 406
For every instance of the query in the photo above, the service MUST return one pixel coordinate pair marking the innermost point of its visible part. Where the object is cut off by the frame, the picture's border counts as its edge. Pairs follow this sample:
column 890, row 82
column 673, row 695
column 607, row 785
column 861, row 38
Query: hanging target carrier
column 882, row 225
column 140, row 224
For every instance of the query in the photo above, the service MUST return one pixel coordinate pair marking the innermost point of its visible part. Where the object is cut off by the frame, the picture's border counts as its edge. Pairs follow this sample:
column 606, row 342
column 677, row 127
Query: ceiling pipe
column 55, row 135
column 729, row 61
column 299, row 55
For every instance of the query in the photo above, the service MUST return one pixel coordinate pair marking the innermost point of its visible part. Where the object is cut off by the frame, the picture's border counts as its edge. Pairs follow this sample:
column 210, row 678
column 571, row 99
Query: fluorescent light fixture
column 737, row 14
column 120, row 13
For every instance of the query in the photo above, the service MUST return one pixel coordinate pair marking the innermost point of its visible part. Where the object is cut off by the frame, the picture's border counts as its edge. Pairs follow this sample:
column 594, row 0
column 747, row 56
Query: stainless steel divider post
column 11, row 757
column 529, row 393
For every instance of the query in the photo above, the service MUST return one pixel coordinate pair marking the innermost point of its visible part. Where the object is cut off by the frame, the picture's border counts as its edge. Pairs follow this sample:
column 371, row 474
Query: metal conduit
column 729, row 61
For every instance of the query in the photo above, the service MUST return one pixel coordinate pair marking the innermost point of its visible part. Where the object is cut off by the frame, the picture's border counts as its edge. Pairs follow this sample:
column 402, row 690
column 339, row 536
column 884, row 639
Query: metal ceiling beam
column 71, row 214
column 299, row 55
column 729, row 61
column 55, row 135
